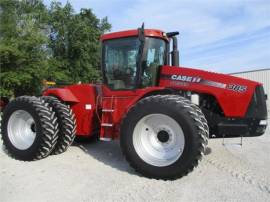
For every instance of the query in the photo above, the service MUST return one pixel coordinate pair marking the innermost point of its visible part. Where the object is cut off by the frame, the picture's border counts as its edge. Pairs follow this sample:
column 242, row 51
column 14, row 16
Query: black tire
column 45, row 124
column 200, row 116
column 66, row 122
column 187, row 115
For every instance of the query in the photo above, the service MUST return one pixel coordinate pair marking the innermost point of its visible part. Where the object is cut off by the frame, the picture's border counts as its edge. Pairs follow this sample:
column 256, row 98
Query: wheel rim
column 21, row 129
column 158, row 140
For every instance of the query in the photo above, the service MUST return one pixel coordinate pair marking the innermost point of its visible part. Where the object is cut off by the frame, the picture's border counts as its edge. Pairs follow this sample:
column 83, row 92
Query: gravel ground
column 98, row 172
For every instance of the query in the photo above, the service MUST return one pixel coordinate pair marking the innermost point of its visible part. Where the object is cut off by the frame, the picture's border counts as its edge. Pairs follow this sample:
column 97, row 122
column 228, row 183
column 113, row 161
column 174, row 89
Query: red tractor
column 163, row 114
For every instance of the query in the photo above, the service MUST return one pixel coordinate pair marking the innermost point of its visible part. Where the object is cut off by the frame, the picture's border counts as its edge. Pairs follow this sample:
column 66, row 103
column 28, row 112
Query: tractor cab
column 131, row 59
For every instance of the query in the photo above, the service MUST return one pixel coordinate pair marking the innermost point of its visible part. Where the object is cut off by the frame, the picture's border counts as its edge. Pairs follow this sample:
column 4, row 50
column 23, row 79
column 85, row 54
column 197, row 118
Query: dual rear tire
column 66, row 121
column 32, row 128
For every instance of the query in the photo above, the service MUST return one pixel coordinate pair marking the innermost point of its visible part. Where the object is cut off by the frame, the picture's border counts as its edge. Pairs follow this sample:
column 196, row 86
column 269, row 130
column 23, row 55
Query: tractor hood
column 232, row 93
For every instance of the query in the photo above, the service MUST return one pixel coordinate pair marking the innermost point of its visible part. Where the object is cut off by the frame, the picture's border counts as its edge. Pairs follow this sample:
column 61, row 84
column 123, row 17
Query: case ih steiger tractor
column 163, row 114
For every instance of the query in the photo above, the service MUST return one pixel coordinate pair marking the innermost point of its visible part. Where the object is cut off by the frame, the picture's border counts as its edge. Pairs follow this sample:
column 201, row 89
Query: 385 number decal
column 237, row 88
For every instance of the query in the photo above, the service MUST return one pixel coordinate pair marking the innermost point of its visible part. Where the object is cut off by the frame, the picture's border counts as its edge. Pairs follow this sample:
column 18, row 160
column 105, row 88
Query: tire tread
column 66, row 121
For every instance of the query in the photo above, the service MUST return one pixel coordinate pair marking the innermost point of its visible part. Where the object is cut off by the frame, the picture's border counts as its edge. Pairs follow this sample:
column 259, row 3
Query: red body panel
column 130, row 33
column 87, row 101
column 87, row 118
column 62, row 93
column 120, row 102
column 233, row 103
column 83, row 103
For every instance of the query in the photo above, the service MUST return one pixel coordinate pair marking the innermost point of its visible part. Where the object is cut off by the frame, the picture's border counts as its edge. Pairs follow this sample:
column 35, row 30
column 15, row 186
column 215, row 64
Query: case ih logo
column 186, row 78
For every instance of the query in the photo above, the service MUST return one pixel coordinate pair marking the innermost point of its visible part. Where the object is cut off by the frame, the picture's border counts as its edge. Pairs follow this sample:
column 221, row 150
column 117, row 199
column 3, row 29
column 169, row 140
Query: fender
column 63, row 94
column 82, row 100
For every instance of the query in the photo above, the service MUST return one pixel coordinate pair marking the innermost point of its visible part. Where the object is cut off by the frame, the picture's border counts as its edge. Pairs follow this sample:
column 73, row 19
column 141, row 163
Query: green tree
column 74, row 41
column 23, row 54
column 55, row 43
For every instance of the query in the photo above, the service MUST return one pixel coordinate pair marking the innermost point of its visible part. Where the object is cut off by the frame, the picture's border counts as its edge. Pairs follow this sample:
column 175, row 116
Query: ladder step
column 107, row 110
column 105, row 139
column 107, row 124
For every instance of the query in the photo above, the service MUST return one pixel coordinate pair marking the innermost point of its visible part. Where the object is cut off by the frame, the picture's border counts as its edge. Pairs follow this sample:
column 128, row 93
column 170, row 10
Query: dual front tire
column 164, row 136
column 32, row 128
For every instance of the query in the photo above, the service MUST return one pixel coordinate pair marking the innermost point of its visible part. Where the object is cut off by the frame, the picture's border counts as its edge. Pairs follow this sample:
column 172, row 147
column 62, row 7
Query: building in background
column 262, row 76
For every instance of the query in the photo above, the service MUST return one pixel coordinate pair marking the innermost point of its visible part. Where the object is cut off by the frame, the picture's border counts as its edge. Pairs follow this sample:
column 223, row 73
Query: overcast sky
column 217, row 35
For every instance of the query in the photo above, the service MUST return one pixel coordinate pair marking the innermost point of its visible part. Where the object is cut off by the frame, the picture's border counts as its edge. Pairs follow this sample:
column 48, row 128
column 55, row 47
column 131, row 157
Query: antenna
column 141, row 32
column 142, row 26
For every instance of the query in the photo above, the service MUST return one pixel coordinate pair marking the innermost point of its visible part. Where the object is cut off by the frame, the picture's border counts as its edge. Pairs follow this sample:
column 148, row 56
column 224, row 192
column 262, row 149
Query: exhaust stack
column 175, row 52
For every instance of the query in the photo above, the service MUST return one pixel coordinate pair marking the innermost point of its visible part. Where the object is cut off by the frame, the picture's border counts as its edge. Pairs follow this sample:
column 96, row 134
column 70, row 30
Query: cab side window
column 155, row 57
column 120, row 63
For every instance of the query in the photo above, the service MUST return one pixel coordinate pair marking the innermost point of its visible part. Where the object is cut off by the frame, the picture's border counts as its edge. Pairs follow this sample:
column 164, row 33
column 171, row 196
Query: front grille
column 257, row 107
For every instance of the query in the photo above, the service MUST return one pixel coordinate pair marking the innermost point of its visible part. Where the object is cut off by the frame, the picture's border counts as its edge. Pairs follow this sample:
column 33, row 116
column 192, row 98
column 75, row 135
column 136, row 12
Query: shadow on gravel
column 108, row 153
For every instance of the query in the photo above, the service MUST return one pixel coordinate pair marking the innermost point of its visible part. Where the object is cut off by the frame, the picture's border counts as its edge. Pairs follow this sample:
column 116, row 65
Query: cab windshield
column 120, row 62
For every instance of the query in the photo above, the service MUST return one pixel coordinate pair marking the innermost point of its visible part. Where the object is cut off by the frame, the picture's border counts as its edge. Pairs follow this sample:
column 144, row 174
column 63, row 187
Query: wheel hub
column 163, row 136
column 158, row 139
column 21, row 129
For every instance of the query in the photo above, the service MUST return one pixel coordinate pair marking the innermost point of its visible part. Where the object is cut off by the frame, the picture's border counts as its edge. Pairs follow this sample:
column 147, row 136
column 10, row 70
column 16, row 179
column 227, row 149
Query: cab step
column 107, row 125
column 106, row 139
column 107, row 110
